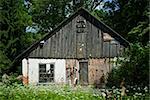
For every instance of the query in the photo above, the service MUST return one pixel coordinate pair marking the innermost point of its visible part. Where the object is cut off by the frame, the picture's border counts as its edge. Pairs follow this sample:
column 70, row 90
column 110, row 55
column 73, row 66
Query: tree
column 13, row 21
column 131, row 18
column 46, row 14
column 125, row 14
column 134, row 67
column 4, row 63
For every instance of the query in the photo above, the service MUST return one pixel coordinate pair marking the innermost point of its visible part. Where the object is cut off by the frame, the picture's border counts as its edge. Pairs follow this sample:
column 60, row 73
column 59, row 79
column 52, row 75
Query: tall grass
column 59, row 92
column 19, row 92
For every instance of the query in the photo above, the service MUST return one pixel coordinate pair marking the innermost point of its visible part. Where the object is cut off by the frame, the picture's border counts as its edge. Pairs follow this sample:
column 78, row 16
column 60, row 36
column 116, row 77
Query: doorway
column 83, row 72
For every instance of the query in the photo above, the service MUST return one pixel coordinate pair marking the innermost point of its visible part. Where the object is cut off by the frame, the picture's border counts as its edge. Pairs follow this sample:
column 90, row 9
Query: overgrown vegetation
column 134, row 67
column 55, row 92
column 19, row 92
column 25, row 21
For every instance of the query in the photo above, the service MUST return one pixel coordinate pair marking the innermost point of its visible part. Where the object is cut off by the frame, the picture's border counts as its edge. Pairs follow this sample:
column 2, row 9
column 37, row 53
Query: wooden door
column 83, row 74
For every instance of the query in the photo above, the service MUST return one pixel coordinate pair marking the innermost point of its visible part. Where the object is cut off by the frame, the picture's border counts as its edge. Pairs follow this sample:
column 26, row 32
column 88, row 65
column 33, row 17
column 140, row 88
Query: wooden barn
column 81, row 47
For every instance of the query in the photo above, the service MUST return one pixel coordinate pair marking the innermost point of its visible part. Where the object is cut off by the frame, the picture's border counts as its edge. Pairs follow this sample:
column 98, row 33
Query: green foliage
column 140, row 33
column 100, row 14
column 13, row 21
column 19, row 92
column 92, row 5
column 55, row 92
column 13, row 78
column 4, row 63
column 134, row 67
column 49, row 13
column 28, row 38
column 126, row 14
column 131, row 17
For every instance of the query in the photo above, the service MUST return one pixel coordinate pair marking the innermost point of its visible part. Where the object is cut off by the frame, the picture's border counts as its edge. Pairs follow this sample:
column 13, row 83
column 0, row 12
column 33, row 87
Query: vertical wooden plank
column 118, row 49
column 81, row 40
column 61, row 42
column 99, row 42
column 95, row 41
column 32, row 53
column 74, row 38
column 105, row 49
column 68, row 35
column 38, row 51
column 102, row 44
column 45, row 48
column 84, row 38
column 71, row 41
column 65, row 42
column 83, row 45
column 111, row 50
column 93, row 44
column 35, row 53
column 56, row 44
column 50, row 46
column 63, row 53
column 54, row 48
column 89, row 40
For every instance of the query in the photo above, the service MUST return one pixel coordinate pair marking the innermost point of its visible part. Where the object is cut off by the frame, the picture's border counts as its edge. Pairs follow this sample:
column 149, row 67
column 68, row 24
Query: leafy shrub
column 56, row 92
column 19, row 92
column 134, row 68
column 9, row 80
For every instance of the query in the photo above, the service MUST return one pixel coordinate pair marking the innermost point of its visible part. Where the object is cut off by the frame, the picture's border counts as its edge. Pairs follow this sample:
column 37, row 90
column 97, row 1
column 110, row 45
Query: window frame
column 46, row 73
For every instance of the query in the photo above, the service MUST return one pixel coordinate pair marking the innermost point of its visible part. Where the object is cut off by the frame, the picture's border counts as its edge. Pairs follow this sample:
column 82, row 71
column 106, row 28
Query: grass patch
column 57, row 92
column 19, row 92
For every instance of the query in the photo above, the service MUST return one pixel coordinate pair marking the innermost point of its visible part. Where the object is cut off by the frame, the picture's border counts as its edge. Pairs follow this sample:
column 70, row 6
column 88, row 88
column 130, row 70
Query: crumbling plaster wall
column 30, row 70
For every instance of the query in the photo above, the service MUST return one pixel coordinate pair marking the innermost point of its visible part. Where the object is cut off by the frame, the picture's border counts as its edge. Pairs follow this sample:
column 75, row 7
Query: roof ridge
column 48, row 35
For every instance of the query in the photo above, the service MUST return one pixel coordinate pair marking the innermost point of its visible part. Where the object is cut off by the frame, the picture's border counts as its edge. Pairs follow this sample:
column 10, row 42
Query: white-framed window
column 46, row 73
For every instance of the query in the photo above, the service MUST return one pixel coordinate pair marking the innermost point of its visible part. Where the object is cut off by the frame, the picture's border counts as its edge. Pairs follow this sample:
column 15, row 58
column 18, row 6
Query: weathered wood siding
column 78, row 39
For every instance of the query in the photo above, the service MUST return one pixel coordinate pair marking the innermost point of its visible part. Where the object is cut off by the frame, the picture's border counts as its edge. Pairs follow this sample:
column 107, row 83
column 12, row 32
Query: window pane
column 42, row 68
column 52, row 66
column 46, row 75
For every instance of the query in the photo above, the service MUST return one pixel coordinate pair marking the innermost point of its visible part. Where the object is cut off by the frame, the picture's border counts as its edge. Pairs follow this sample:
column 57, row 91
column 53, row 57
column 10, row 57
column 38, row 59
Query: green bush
column 57, row 92
column 19, row 92
column 134, row 67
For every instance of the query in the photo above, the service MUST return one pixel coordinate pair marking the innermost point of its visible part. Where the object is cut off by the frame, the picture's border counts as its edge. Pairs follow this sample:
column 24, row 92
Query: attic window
column 81, row 25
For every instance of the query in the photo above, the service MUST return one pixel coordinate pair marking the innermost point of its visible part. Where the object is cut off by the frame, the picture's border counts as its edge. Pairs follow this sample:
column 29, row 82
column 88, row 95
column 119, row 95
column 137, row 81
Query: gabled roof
column 88, row 16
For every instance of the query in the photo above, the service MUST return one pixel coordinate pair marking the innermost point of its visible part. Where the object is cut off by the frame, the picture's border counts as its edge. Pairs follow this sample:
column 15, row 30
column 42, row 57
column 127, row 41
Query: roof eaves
column 106, row 26
column 45, row 37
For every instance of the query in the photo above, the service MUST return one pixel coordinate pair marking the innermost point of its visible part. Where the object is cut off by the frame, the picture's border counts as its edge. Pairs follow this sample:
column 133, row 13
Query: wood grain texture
column 68, row 43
